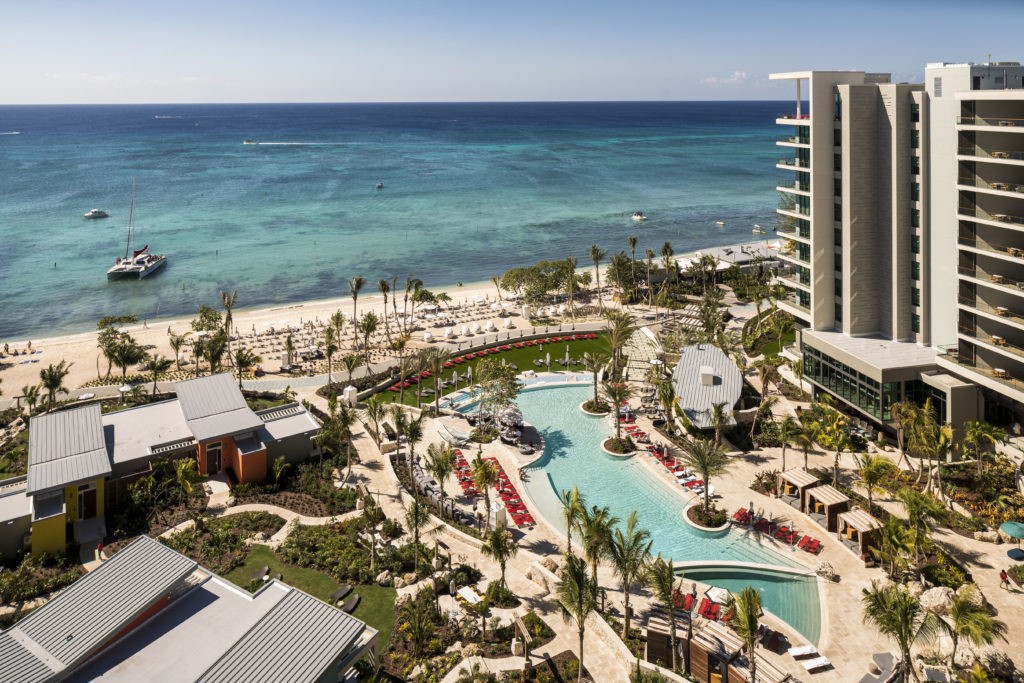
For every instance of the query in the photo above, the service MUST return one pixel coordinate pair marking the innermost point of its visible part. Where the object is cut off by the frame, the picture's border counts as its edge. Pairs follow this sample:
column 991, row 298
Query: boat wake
column 11, row 132
column 298, row 144
column 166, row 116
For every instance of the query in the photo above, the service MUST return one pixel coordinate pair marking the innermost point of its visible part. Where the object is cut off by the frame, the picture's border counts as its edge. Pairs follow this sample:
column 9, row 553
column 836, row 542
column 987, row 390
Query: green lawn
column 770, row 347
column 376, row 606
column 523, row 358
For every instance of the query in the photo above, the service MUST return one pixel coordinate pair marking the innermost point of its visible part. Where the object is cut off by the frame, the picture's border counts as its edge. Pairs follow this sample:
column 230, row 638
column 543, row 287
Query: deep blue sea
column 469, row 191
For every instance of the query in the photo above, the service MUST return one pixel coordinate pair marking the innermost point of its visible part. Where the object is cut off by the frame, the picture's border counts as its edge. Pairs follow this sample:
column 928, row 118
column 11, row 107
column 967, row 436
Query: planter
column 721, row 530
column 612, row 453
column 583, row 408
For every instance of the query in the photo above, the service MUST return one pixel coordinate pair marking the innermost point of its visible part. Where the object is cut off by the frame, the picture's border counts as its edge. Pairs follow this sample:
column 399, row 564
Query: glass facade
column 915, row 244
column 915, row 218
column 915, row 323
column 915, row 270
column 915, row 139
column 915, row 191
column 915, row 296
column 874, row 398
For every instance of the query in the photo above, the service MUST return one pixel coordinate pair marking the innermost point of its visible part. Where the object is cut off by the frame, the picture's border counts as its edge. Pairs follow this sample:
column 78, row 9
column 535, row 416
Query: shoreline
column 80, row 350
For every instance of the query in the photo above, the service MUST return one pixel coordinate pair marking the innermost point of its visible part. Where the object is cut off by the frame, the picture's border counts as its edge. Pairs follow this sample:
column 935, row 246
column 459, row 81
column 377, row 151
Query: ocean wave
column 166, row 116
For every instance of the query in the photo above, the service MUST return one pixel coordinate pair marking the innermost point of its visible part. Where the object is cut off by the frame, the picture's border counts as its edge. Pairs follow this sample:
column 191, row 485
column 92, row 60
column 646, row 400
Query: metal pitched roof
column 94, row 609
column 298, row 640
column 214, row 406
column 66, row 447
column 695, row 398
column 17, row 663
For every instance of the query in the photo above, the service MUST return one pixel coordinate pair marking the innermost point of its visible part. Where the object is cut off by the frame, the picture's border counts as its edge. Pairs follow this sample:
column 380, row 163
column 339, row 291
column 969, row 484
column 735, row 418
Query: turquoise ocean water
column 470, row 190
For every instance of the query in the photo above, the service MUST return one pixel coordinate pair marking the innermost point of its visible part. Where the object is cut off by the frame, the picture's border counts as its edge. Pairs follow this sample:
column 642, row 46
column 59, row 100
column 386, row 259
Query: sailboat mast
column 130, row 244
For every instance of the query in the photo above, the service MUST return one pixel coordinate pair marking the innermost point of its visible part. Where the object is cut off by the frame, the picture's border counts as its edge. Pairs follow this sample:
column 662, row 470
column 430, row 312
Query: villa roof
column 827, row 495
column 86, row 615
column 282, row 422
column 213, row 406
column 719, row 638
column 696, row 398
column 298, row 640
column 766, row 671
column 860, row 520
column 800, row 478
column 135, row 433
column 66, row 447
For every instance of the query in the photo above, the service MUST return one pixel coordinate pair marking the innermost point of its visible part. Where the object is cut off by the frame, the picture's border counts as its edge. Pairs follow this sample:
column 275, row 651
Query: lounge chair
column 802, row 651
column 812, row 665
column 688, row 602
column 712, row 614
column 705, row 604
column 340, row 593
column 351, row 603
column 803, row 542
column 261, row 574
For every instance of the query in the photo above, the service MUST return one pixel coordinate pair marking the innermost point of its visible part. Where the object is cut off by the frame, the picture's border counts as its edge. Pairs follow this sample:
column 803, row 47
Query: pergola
column 739, row 670
column 856, row 531
column 711, row 650
column 825, row 504
column 792, row 485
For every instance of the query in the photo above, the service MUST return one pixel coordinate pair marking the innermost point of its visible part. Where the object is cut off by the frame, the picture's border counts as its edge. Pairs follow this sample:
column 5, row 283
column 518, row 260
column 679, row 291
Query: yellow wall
column 71, row 500
column 48, row 535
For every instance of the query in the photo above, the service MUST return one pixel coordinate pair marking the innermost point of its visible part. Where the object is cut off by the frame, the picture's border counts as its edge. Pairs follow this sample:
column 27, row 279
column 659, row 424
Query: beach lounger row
column 513, row 503
column 783, row 533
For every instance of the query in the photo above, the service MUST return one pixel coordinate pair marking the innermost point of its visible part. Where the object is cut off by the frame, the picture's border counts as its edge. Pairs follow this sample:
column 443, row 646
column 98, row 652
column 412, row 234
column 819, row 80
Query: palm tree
column 621, row 326
column 417, row 516
column 368, row 326
column 719, row 415
column 650, row 292
column 980, row 434
column 496, row 281
column 874, row 469
column 52, row 380
column 746, row 612
column 355, row 284
column 662, row 580
column 31, row 395
column 903, row 413
column 920, row 508
column 629, row 553
column 351, row 361
column 184, row 474
column 434, row 359
column 127, row 352
column 177, row 342
column 667, row 398
column 894, row 546
column 345, row 418
column 707, row 458
column 215, row 347
column 597, row 255
column 573, row 509
column 595, row 527
column 413, row 435
column 570, row 283
column 500, row 546
column 790, row 431
column 595, row 361
column 228, row 300
column 670, row 268
column 764, row 410
column 330, row 348
column 618, row 394
column 805, row 440
column 969, row 618
column 898, row 615
column 485, row 475
column 329, row 436
column 441, row 465
column 577, row 597
column 245, row 359
column 338, row 323
column 632, row 239
column 157, row 365
column 385, row 288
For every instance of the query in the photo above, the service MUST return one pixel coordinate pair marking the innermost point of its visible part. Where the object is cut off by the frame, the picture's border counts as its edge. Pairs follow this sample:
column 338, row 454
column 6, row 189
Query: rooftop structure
column 166, row 619
column 704, row 377
column 213, row 406
column 66, row 447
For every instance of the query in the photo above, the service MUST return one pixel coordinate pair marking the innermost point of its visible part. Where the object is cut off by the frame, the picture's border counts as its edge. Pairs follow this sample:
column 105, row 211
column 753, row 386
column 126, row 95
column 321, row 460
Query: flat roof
column 14, row 503
column 871, row 354
column 66, row 447
column 202, row 623
column 132, row 433
column 696, row 399
column 289, row 420
column 213, row 406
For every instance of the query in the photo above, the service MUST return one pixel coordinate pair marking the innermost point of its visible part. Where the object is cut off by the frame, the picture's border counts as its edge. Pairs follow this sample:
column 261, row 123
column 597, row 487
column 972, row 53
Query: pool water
column 573, row 457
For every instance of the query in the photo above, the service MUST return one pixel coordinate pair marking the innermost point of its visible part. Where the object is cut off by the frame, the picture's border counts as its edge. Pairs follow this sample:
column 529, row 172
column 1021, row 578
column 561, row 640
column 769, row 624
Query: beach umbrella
column 547, row 360
column 567, row 354
column 455, row 378
column 1014, row 530
column 469, row 373
column 717, row 594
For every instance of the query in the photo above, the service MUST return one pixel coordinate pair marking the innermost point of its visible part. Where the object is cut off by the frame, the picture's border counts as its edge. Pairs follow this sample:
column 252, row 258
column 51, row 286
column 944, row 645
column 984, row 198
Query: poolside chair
column 803, row 651
column 816, row 664
column 688, row 602
column 814, row 547
column 803, row 542
column 712, row 614
column 705, row 604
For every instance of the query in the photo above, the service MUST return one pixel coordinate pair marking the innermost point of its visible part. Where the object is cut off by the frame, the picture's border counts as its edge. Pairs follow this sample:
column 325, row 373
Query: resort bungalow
column 704, row 377
column 712, row 649
column 80, row 461
column 659, row 637
column 793, row 485
column 825, row 504
column 150, row 613
column 858, row 531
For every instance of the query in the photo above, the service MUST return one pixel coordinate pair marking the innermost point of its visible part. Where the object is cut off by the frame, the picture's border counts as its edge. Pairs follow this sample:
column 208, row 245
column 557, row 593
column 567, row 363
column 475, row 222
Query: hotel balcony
column 793, row 141
column 993, row 280
column 1003, row 123
column 987, row 368
column 794, row 164
column 794, row 214
column 1011, row 314
column 986, row 247
column 795, row 188
column 792, row 232
column 979, row 153
column 793, row 119
column 977, row 213
column 993, row 341
column 794, row 278
column 792, row 253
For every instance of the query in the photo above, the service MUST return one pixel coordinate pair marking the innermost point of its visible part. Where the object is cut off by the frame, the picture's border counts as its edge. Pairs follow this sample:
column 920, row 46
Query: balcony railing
column 791, row 231
column 998, row 121
column 994, row 278
column 1004, row 187
column 975, row 151
column 995, row 340
column 985, row 215
column 794, row 139
column 1001, row 311
column 999, row 374
column 798, row 186
column 794, row 275
column 1016, row 252
column 795, row 163
column 795, row 303
column 795, row 117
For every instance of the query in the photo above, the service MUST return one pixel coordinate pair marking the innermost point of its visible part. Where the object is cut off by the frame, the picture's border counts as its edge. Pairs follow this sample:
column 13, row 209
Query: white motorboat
column 720, row 224
column 250, row 141
column 639, row 216
column 758, row 230
column 95, row 213
column 137, row 263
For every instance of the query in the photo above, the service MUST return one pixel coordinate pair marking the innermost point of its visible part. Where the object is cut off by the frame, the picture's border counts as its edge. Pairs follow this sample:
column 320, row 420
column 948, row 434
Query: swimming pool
column 573, row 457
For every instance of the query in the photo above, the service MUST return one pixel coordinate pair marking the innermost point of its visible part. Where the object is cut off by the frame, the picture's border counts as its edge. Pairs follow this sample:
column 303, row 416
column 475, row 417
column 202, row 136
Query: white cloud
column 85, row 77
column 735, row 78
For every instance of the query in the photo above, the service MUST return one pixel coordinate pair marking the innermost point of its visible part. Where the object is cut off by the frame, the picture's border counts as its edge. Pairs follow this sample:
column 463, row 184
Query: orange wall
column 252, row 467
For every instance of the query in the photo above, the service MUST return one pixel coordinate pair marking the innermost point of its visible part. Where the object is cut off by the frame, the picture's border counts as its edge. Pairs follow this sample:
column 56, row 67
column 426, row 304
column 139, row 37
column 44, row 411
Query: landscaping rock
column 915, row 588
column 937, row 599
column 965, row 658
column 977, row 599
column 550, row 565
column 987, row 536
column 996, row 662
column 409, row 578
column 261, row 537
column 384, row 578
column 399, row 582
column 826, row 571
column 472, row 650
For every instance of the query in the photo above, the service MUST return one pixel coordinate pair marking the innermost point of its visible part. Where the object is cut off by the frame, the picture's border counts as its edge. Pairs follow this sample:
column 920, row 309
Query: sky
column 105, row 51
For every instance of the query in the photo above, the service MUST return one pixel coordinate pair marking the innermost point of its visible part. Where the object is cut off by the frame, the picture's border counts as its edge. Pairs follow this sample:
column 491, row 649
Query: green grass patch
column 376, row 606
column 522, row 358
column 769, row 344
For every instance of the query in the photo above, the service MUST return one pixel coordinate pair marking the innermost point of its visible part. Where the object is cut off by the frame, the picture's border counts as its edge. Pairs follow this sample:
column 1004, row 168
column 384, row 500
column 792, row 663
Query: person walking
column 1004, row 579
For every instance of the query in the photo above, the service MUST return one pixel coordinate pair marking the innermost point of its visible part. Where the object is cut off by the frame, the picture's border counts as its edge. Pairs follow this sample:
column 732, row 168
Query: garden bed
column 220, row 544
column 302, row 490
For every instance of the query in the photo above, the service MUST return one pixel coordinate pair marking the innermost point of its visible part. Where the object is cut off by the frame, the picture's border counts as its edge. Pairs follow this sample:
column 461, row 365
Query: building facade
column 903, row 259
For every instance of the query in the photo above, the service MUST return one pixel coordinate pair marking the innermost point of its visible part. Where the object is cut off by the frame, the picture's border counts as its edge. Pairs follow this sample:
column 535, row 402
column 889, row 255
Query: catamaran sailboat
column 136, row 263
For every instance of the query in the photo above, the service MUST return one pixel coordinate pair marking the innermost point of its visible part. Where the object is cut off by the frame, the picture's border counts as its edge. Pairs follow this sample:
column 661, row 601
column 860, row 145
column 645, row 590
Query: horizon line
column 372, row 102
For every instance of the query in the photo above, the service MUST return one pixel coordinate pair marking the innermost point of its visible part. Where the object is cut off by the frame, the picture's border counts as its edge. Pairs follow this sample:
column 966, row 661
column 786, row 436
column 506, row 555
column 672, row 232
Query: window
column 915, row 218
column 839, row 314
column 937, row 86
column 837, row 137
column 837, row 162
column 837, row 212
column 915, row 323
column 915, row 112
column 837, row 187
column 915, row 166
column 915, row 192
column 915, row 139
column 838, row 262
column 838, row 236
column 915, row 296
column 839, row 287
column 915, row 270
column 915, row 244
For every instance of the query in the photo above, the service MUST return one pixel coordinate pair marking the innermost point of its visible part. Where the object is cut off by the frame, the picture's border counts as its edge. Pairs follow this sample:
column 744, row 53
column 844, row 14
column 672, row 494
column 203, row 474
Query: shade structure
column 718, row 594
column 1013, row 529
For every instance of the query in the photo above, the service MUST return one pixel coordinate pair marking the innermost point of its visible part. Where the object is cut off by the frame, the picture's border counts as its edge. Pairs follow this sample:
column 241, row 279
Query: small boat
column 250, row 141
column 758, row 230
column 137, row 263
column 639, row 216
column 95, row 213
column 720, row 224
column 379, row 186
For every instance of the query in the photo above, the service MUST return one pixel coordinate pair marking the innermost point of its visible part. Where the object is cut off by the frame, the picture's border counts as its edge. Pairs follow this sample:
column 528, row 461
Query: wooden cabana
column 659, row 637
column 739, row 671
column 711, row 650
column 858, row 531
column 793, row 485
column 825, row 504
